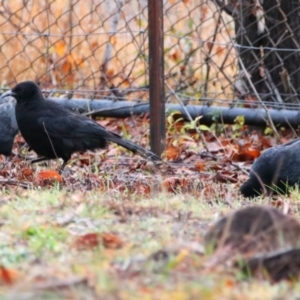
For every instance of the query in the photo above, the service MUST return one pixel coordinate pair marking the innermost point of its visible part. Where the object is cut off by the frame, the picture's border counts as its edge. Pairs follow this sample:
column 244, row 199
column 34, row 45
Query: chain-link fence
column 215, row 51
column 95, row 47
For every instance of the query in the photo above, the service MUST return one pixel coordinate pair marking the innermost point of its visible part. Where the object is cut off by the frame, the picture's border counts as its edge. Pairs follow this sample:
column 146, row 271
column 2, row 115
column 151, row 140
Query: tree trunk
column 269, row 38
column 283, row 23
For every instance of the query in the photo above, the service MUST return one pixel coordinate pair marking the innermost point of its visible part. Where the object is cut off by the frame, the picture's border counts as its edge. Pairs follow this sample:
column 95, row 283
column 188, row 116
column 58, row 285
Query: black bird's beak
column 7, row 94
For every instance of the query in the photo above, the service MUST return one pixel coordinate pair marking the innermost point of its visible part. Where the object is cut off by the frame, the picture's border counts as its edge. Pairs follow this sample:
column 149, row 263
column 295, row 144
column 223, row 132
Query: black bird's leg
column 62, row 166
column 43, row 158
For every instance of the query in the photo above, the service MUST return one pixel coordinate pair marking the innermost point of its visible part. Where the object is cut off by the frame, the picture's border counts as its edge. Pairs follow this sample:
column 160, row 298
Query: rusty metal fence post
column 156, row 76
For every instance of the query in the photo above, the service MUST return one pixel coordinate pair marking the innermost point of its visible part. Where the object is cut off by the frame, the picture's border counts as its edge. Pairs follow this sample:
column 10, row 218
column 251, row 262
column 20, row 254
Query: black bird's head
column 26, row 91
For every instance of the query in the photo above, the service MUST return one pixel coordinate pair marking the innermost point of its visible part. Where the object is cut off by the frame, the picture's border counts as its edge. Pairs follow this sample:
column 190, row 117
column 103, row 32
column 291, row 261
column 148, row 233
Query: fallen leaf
column 254, row 153
column 111, row 241
column 172, row 153
column 229, row 283
column 199, row 166
column 93, row 240
column 8, row 276
column 177, row 184
column 48, row 176
column 26, row 173
column 87, row 241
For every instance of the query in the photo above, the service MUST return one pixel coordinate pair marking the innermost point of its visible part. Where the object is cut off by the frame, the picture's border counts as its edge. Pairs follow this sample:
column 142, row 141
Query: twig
column 239, row 167
column 231, row 162
column 109, row 46
column 61, row 284
column 208, row 56
column 259, row 99
column 15, row 183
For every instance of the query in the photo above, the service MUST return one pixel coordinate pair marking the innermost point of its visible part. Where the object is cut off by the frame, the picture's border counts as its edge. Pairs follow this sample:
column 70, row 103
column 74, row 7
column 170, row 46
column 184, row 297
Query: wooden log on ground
column 210, row 114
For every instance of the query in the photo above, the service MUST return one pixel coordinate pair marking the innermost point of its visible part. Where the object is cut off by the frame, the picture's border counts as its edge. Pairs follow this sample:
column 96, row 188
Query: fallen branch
column 210, row 114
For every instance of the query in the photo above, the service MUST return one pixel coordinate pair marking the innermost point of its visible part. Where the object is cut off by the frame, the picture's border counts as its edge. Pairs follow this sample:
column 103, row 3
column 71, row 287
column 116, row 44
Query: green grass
column 40, row 227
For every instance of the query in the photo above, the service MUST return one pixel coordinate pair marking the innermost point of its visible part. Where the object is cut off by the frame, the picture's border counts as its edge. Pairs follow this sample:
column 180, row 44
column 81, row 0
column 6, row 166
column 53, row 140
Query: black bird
column 55, row 132
column 8, row 127
column 274, row 171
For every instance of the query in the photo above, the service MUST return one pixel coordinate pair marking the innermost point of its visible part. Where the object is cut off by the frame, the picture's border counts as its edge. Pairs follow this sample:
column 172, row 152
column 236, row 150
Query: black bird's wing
column 8, row 127
column 80, row 133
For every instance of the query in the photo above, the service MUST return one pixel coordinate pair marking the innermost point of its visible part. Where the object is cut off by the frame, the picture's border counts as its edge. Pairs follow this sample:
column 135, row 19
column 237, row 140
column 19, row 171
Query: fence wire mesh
column 216, row 52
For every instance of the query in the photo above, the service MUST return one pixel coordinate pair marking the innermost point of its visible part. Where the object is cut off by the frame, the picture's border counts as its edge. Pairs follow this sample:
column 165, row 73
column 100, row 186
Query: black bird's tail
column 112, row 137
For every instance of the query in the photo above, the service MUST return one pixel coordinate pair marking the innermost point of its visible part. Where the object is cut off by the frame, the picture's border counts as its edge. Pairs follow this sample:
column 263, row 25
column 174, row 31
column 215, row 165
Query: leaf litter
column 118, row 226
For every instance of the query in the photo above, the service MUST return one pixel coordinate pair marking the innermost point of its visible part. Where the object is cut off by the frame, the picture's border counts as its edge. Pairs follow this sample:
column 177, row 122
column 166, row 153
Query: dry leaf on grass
column 172, row 153
column 25, row 174
column 46, row 177
column 93, row 240
column 175, row 184
column 8, row 276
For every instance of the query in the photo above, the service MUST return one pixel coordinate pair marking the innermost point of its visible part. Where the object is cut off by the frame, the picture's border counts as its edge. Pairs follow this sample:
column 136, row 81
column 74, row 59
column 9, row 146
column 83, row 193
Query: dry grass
column 161, row 256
